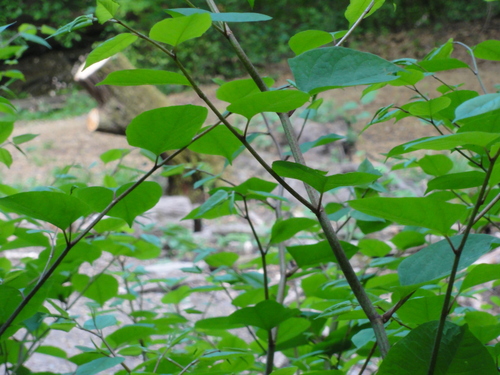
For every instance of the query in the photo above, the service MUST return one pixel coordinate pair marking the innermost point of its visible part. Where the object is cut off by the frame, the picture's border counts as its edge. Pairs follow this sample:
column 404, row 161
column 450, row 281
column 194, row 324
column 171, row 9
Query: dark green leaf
column 460, row 353
column 136, row 77
column 436, row 261
column 285, row 229
column 98, row 365
column 456, row 181
column 321, row 69
column 11, row 298
column 173, row 127
column 309, row 39
column 35, row 39
column 59, row 209
column 268, row 101
column 423, row 212
column 215, row 200
column 141, row 199
column 109, row 48
column 175, row 31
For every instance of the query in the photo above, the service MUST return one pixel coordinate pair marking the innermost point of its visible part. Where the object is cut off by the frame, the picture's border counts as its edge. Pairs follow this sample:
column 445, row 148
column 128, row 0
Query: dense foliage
column 407, row 309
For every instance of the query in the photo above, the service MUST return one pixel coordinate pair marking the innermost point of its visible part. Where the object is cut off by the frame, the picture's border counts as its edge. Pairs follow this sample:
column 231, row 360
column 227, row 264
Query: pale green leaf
column 174, row 31
column 105, row 10
column 309, row 39
column 109, row 48
column 136, row 77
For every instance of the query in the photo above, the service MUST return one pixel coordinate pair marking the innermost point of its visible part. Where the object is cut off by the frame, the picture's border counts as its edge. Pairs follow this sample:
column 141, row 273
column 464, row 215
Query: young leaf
column 436, row 261
column 269, row 101
column 460, row 353
column 172, row 127
column 357, row 7
column 309, row 39
column 325, row 68
column 423, row 212
column 105, row 10
column 174, row 31
column 5, row 157
column 109, row 48
column 142, row 198
column 59, row 209
column 136, row 77
column 488, row 50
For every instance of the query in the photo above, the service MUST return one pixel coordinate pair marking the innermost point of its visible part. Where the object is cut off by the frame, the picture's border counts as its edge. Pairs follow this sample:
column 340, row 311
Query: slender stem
column 358, row 21
column 474, row 62
column 271, row 349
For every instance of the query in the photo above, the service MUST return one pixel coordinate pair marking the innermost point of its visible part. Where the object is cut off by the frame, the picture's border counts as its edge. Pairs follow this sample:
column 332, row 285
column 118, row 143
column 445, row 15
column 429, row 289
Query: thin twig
column 358, row 21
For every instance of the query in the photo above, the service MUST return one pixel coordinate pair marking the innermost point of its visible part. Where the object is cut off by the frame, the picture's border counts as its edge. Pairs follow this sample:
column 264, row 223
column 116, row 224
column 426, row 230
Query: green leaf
column 318, row 253
column 481, row 113
column 269, row 101
column 6, row 129
column 460, row 353
column 483, row 325
column 223, row 258
column 177, row 295
column 325, row 68
column 438, row 65
column 101, row 288
column 24, row 138
column 59, row 209
column 309, row 39
column 488, row 50
column 52, row 351
column 173, row 127
column 429, row 108
column 222, row 17
column 11, row 298
column 98, row 365
column 285, row 371
column 224, row 209
column 480, row 274
column 5, row 157
column 100, row 322
column 266, row 315
column 142, row 198
column 373, row 248
column 174, row 31
column 356, row 9
column 408, row 238
column 35, row 39
column 238, row 89
column 215, row 200
column 436, row 261
column 422, row 309
column 137, row 77
column 219, row 323
column 109, row 48
column 436, row 165
column 105, row 10
column 4, row 27
column 219, row 141
column 78, row 23
column 321, row 141
column 113, row 154
column 130, row 334
column 456, row 181
column 285, row 229
column 422, row 212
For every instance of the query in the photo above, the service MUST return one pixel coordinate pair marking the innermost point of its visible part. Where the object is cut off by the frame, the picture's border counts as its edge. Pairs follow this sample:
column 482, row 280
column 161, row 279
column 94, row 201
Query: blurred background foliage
column 203, row 56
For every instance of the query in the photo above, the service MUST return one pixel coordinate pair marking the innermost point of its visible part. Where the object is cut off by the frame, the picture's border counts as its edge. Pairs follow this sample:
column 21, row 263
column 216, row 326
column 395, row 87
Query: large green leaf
column 110, row 47
column 356, row 9
column 266, row 315
column 167, row 128
column 309, row 39
column 421, row 309
column 422, row 212
column 174, row 31
column 481, row 113
column 269, row 101
column 460, row 353
column 238, row 89
column 285, row 229
column 317, row 179
column 436, row 261
column 96, row 197
column 321, row 69
column 482, row 273
column 219, row 141
column 488, row 50
column 142, row 198
column 59, row 209
column 455, row 181
column 136, row 77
